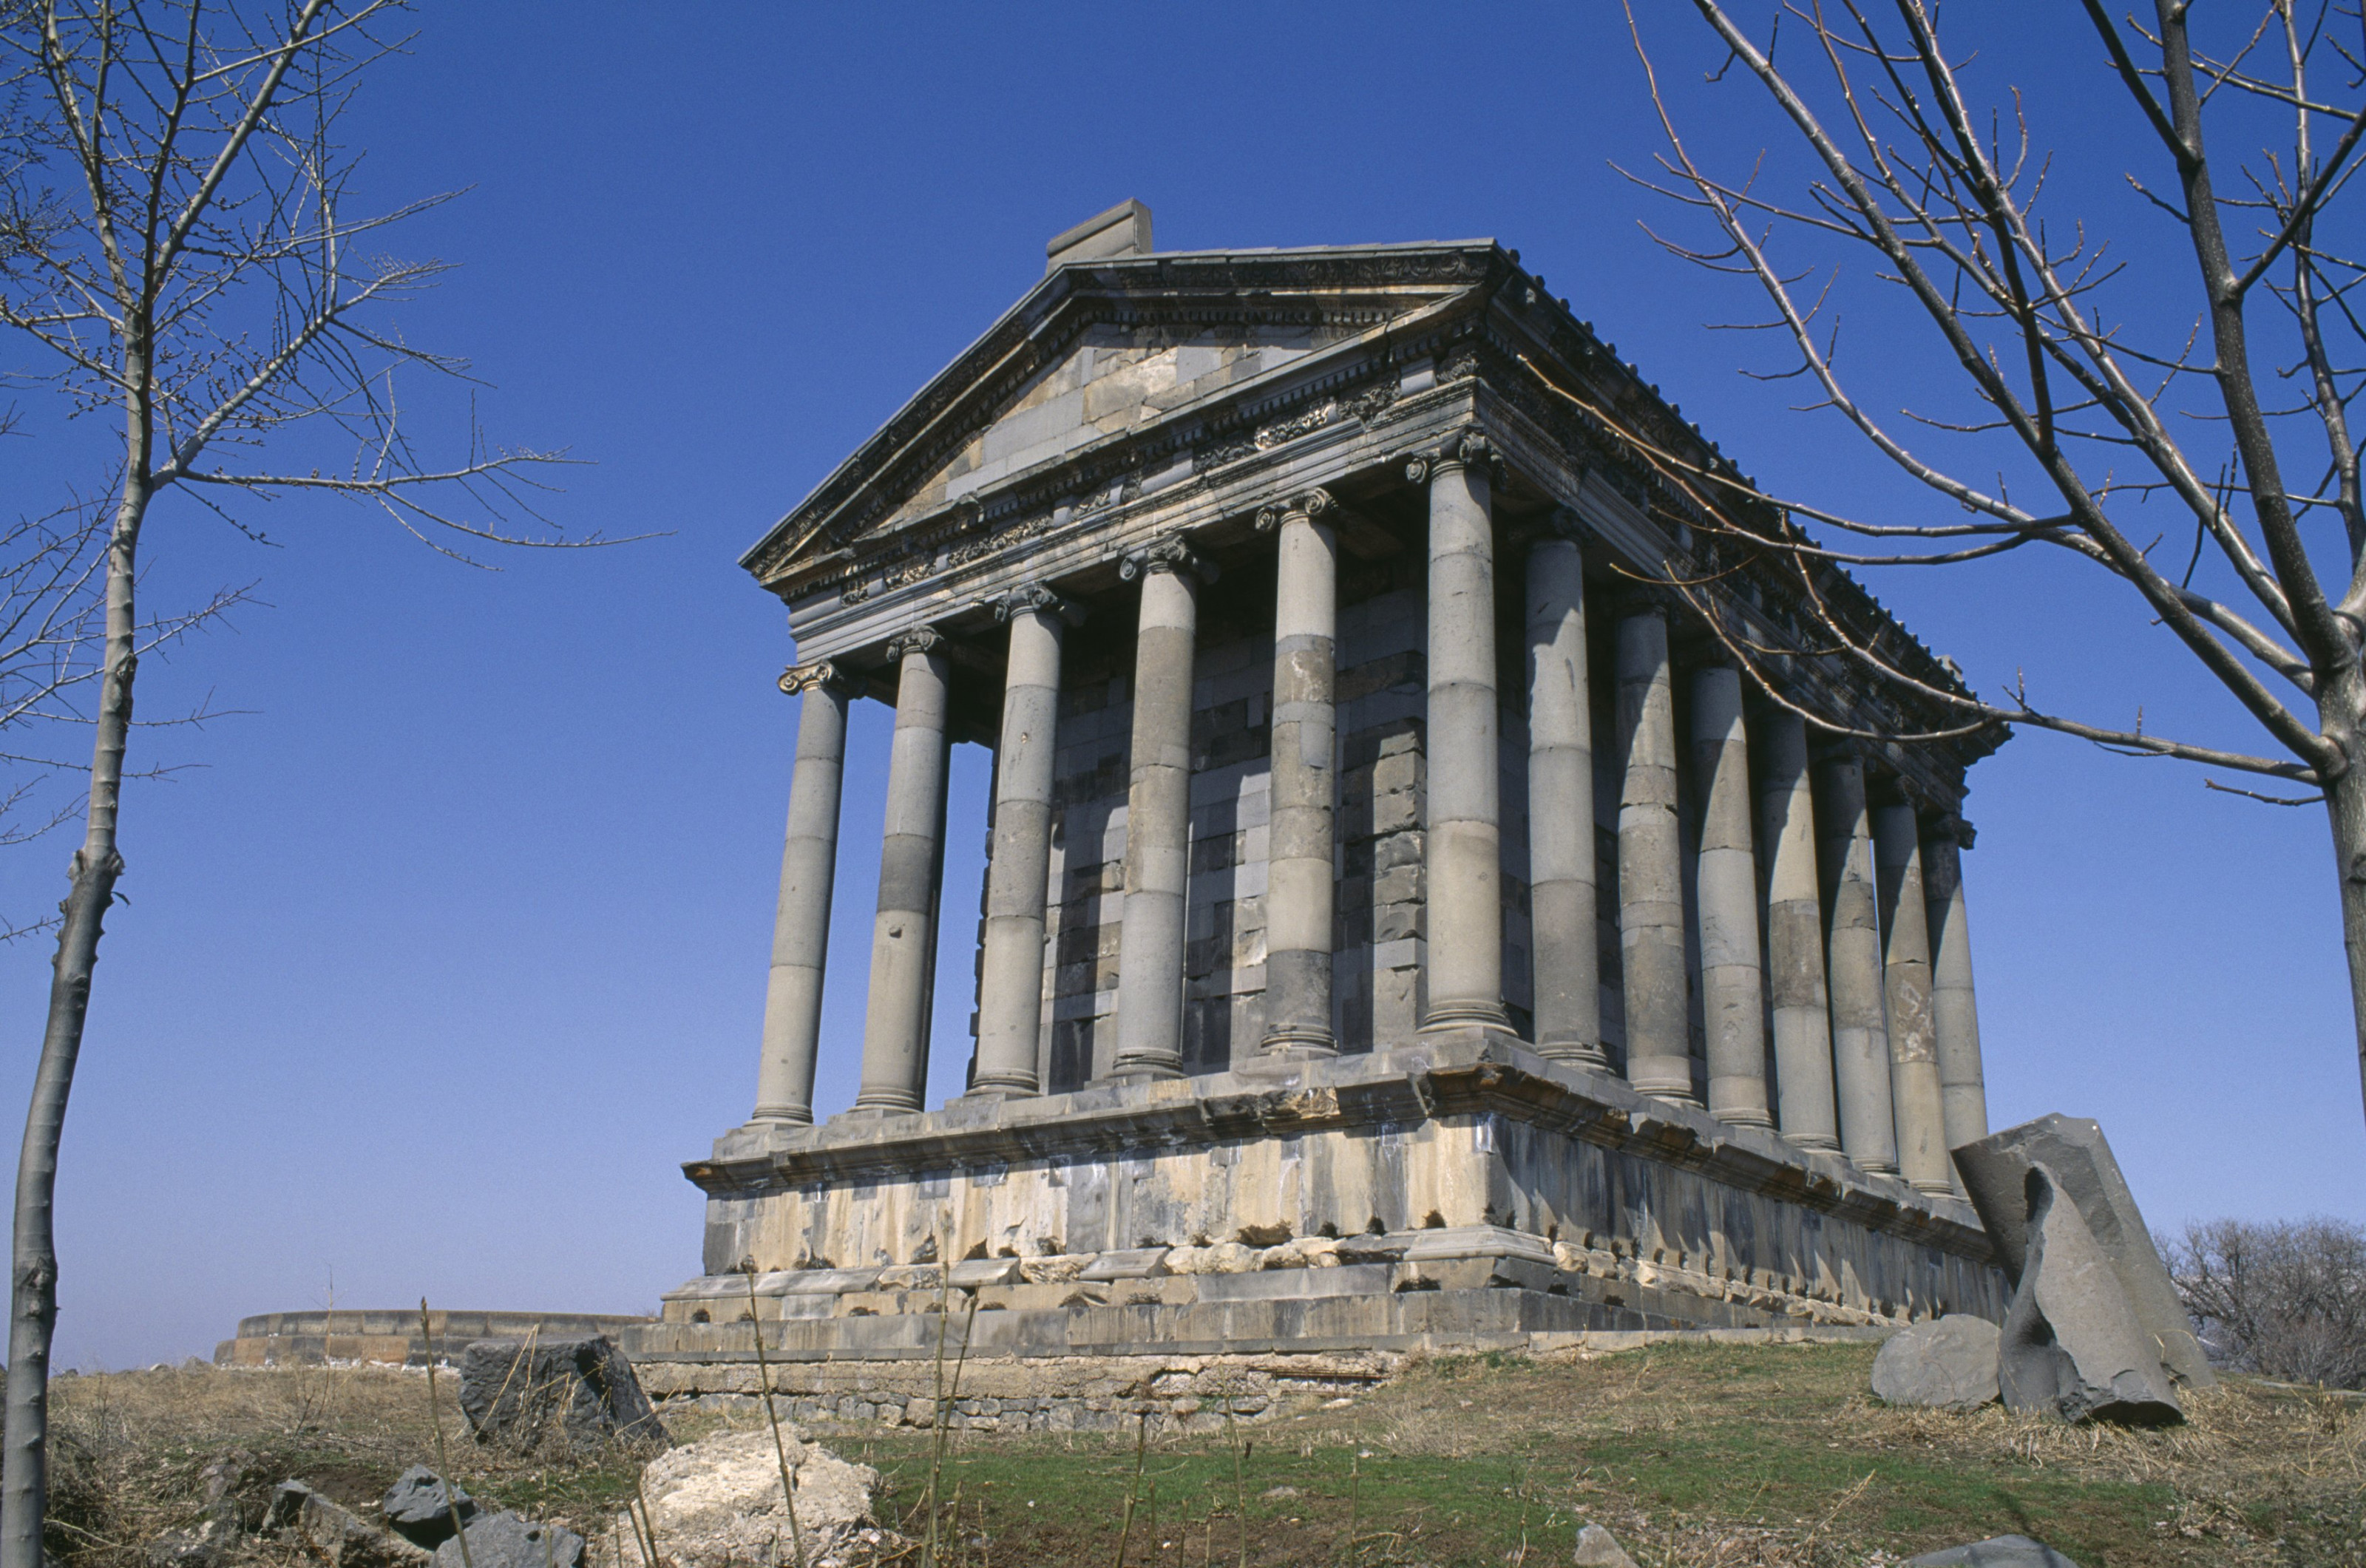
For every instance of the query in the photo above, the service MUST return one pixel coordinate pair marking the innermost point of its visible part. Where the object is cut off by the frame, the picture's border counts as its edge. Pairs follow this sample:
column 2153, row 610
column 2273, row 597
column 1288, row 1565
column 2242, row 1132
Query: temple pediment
column 1114, row 377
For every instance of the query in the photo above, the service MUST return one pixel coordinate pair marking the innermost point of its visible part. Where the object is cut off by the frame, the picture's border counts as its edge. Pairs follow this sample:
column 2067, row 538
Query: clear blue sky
column 455, row 947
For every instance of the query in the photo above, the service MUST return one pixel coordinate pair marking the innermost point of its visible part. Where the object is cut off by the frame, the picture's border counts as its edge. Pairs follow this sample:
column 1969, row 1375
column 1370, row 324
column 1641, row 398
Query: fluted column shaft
column 1795, row 936
column 1733, row 987
column 1853, row 947
column 911, row 869
column 1906, row 981
column 1564, row 944
column 1010, row 978
column 1462, row 849
column 1301, row 872
column 1157, row 817
column 1650, row 865
column 785, row 1079
column 1963, row 1090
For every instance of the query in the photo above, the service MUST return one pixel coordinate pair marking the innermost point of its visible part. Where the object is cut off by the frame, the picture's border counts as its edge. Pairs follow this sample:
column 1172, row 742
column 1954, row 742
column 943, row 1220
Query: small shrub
column 2284, row 1299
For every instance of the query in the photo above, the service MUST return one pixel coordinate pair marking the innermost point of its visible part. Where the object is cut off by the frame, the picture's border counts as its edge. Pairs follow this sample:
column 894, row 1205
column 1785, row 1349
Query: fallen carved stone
column 1950, row 1364
column 1999, row 1552
column 573, row 1394
column 2072, row 1346
column 1995, row 1172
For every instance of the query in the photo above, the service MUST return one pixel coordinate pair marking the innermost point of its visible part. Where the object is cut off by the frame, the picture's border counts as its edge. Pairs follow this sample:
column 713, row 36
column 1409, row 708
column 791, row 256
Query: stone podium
column 1406, row 926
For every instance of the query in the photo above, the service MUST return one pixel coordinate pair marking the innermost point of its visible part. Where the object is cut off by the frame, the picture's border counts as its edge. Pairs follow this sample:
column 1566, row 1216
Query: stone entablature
column 1359, row 667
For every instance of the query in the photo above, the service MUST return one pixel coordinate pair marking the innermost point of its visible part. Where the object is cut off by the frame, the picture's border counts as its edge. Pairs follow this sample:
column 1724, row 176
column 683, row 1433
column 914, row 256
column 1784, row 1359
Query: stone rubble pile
column 2095, row 1330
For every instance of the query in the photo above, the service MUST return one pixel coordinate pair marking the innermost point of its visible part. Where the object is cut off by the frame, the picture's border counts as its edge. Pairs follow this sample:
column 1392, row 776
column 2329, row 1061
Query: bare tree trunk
column 33, row 1305
column 2343, row 709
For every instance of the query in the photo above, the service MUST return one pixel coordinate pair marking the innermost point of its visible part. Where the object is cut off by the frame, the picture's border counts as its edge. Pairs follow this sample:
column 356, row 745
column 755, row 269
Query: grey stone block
column 421, row 1508
column 332, row 1534
column 507, row 1541
column 1998, row 1552
column 976, row 1272
column 569, row 1394
column 1950, row 1364
column 825, row 1282
column 1280, row 1284
column 2072, row 1346
column 1138, row 1263
column 1995, row 1171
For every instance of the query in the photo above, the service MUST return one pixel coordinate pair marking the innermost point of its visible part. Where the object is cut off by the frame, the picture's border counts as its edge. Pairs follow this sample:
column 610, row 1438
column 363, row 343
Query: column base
column 860, row 1112
column 1143, row 1072
column 1936, row 1189
column 1875, row 1168
column 1487, row 1017
column 1819, row 1146
column 1592, row 1057
column 1299, row 1044
column 785, row 1115
column 1006, row 1088
column 1746, row 1119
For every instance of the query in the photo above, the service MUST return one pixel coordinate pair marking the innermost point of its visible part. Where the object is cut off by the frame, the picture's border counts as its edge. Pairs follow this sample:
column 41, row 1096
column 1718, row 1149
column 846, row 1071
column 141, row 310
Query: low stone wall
column 391, row 1334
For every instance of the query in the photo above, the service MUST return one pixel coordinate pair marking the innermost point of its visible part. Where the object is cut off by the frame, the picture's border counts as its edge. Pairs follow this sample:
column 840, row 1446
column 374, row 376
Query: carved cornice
column 1034, row 598
column 1169, row 554
column 1309, row 503
column 919, row 639
column 820, row 675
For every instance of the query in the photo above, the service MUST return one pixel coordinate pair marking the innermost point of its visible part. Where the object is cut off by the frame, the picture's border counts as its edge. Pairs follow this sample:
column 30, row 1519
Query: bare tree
column 174, row 237
column 2212, row 410
column 2286, row 1300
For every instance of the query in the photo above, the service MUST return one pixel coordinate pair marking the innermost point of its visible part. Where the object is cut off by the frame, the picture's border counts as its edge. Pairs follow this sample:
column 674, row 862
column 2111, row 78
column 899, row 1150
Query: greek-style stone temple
column 1406, row 923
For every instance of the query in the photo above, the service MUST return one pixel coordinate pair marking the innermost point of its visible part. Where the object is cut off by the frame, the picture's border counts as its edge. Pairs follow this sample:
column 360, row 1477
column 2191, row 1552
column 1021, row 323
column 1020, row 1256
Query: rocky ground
column 1690, row 1454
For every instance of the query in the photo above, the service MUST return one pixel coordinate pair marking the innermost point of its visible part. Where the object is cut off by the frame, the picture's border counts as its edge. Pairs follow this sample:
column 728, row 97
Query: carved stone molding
column 1034, row 598
column 1169, row 554
column 1311, row 503
column 1938, row 823
column 919, row 639
column 821, row 674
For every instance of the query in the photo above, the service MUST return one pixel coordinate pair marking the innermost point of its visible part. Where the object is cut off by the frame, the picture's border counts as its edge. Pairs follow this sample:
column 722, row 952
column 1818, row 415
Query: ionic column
column 911, row 866
column 1906, row 983
column 1561, row 915
column 1302, row 874
column 1733, row 987
column 1963, row 1091
column 1853, row 947
column 1795, row 936
column 1157, row 814
column 785, row 1079
column 1462, row 853
column 1010, row 978
column 1651, row 865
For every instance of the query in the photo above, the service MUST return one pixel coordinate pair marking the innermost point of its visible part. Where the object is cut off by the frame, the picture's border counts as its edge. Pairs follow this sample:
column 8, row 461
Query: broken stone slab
column 717, row 1502
column 1995, row 1171
column 419, row 1508
column 511, row 1541
column 2072, row 1346
column 333, row 1534
column 1950, row 1364
column 1598, row 1548
column 571, row 1392
column 1998, row 1552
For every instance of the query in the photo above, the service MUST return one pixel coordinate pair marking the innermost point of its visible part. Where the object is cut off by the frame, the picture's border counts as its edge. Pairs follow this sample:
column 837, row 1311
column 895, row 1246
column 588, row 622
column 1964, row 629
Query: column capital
column 1562, row 522
column 820, row 675
column 1948, row 827
column 1309, row 503
column 1169, row 554
column 1034, row 598
column 1467, row 447
column 918, row 639
column 1637, row 598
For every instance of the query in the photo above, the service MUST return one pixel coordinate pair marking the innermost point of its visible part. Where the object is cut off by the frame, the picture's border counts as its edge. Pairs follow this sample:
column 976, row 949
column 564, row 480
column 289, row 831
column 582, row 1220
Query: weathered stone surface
column 1999, row 1552
column 421, row 1508
column 1995, row 1171
column 509, row 1540
column 2072, row 1345
column 566, row 1393
column 1598, row 1548
column 332, row 1534
column 1950, row 1364
column 717, row 1502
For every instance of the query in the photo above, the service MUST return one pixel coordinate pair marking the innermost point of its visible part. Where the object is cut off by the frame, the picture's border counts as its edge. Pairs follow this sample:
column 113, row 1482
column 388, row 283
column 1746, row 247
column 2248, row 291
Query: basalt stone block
column 507, row 1541
column 1995, row 1172
column 1998, row 1552
column 1948, row 1365
column 2073, row 1346
column 527, row 1395
column 421, row 1509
